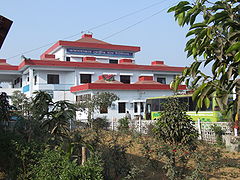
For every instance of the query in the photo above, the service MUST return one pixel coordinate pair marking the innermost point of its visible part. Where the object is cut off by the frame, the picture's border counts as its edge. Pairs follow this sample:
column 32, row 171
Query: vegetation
column 44, row 147
column 94, row 103
column 213, row 41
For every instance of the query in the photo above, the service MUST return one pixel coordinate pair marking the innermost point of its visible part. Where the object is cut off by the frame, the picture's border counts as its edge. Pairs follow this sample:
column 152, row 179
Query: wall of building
column 127, row 96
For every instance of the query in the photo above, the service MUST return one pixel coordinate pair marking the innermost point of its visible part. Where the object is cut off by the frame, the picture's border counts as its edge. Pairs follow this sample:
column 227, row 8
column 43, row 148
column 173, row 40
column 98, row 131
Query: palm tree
column 58, row 119
column 41, row 104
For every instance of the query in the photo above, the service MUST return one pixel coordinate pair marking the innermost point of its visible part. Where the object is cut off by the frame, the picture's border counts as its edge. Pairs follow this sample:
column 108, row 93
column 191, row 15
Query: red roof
column 88, row 42
column 98, row 65
column 89, row 39
column 108, row 86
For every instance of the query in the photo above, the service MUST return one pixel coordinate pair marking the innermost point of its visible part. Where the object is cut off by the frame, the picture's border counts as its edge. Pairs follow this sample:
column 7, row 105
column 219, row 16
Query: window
column 83, row 97
column 85, row 78
column 155, row 105
column 125, row 79
column 53, row 79
column 135, row 108
column 103, row 109
column 20, row 82
column 113, row 61
column 121, row 107
column 161, row 80
column 68, row 58
column 35, row 80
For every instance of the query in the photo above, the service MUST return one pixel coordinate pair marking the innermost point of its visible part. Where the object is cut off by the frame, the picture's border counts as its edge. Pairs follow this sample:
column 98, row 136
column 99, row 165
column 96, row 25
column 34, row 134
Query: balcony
column 10, row 91
column 53, row 87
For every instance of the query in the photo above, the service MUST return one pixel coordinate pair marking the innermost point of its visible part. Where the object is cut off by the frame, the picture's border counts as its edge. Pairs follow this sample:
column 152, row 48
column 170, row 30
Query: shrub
column 123, row 124
column 55, row 164
column 100, row 123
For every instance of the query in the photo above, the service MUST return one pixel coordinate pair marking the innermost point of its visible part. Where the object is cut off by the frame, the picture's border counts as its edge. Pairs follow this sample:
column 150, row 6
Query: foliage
column 93, row 103
column 22, row 104
column 123, row 124
column 57, row 121
column 55, row 164
column 100, row 123
column 41, row 104
column 214, row 31
column 175, row 131
column 4, row 107
column 218, row 133
column 116, row 164
column 27, row 155
column 174, row 126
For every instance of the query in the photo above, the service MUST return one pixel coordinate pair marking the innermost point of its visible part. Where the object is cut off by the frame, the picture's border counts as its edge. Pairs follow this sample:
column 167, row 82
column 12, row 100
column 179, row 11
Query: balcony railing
column 54, row 87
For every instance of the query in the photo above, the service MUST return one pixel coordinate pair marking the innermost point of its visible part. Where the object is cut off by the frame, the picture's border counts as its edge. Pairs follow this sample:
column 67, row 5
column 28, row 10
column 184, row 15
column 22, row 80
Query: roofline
column 108, row 86
column 97, row 65
column 91, row 45
column 8, row 67
column 178, row 95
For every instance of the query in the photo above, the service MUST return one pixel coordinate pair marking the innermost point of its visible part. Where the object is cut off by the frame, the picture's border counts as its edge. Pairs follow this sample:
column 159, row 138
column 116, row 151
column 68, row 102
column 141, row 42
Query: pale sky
column 38, row 23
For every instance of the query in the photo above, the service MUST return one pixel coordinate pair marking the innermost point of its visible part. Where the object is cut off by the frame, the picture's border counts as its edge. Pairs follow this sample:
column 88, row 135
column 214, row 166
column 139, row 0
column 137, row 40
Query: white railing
column 204, row 129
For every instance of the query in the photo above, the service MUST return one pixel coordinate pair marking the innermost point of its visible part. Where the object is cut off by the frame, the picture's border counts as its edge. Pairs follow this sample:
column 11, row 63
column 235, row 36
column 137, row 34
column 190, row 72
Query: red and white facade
column 70, row 69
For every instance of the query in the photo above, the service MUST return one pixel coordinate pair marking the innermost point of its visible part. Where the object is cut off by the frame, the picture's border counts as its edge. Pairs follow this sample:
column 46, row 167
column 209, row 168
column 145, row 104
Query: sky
column 44, row 22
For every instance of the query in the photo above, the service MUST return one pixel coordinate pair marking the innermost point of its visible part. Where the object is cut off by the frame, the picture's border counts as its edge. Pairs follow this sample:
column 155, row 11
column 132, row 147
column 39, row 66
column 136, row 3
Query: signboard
column 99, row 52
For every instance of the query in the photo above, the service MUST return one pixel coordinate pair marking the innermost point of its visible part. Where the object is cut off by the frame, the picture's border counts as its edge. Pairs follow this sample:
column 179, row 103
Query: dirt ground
column 229, row 163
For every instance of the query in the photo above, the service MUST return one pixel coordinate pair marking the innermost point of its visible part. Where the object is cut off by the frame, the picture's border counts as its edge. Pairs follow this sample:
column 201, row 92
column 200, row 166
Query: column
column 30, row 81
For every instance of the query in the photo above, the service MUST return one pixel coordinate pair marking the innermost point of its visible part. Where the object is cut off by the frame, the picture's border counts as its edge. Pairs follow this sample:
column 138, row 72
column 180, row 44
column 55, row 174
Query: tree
column 41, row 104
column 215, row 34
column 95, row 102
column 58, row 119
column 22, row 104
column 175, row 129
column 174, row 125
column 5, row 107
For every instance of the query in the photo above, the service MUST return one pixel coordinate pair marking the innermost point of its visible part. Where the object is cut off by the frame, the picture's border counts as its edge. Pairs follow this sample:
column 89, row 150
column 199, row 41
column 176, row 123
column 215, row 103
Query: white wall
column 128, row 96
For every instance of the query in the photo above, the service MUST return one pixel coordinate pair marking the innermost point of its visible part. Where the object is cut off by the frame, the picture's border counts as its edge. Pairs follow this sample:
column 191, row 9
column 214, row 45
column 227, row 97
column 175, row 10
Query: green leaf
column 218, row 17
column 171, row 9
column 197, row 25
column 234, row 47
column 207, row 102
column 194, row 82
column 237, row 57
column 194, row 68
column 180, row 18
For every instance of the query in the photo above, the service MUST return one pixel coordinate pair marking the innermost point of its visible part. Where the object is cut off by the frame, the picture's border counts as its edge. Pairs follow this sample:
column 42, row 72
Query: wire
column 98, row 26
column 158, row 12
column 112, row 21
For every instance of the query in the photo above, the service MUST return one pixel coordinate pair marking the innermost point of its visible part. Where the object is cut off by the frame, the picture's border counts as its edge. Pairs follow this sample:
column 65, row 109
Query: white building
column 70, row 69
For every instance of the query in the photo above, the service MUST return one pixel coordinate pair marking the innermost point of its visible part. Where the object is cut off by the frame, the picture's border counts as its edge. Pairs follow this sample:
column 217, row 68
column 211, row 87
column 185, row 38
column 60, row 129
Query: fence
column 204, row 129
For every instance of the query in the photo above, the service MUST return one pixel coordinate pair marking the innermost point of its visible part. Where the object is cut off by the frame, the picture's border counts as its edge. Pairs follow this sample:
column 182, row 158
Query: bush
column 123, row 124
column 55, row 164
column 100, row 123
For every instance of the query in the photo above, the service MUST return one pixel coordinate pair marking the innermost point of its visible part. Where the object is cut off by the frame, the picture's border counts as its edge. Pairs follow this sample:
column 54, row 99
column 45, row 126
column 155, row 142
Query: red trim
column 125, row 61
column 98, row 65
column 157, row 63
column 49, row 56
column 3, row 60
column 99, row 46
column 145, row 78
column 91, row 45
column 50, row 50
column 109, row 86
column 87, row 36
column 8, row 67
column 85, row 59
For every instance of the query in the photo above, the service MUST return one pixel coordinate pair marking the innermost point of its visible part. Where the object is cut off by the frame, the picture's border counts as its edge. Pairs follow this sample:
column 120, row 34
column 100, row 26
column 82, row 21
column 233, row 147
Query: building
column 68, row 70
